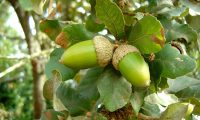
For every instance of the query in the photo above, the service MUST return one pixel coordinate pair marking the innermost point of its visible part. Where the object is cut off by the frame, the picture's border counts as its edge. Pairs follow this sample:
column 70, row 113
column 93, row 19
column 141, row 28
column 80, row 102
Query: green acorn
column 128, row 60
column 89, row 53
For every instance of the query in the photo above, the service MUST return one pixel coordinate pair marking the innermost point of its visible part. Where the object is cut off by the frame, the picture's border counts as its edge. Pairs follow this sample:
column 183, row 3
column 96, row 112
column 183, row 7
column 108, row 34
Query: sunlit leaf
column 192, row 4
column 196, row 102
column 174, row 111
column 147, row 35
column 57, row 80
column 163, row 99
column 176, row 12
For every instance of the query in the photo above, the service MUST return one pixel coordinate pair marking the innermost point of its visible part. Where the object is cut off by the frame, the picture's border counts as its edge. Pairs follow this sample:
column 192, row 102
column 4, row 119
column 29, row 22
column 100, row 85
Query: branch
column 12, row 68
column 44, row 52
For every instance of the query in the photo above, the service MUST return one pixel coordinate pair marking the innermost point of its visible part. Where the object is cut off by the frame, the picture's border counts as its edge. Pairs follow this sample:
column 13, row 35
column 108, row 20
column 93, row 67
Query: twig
column 12, row 68
column 21, row 63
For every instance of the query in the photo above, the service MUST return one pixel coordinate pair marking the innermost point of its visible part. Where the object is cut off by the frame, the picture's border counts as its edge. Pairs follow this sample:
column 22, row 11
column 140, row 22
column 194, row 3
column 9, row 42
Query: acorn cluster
column 100, row 52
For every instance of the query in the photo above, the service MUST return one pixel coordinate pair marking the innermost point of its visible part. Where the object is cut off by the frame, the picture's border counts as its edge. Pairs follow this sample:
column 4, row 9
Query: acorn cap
column 120, row 52
column 104, row 50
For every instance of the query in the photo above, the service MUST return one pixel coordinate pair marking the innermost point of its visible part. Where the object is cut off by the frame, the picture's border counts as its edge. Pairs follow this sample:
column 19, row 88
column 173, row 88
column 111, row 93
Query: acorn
column 89, row 53
column 128, row 60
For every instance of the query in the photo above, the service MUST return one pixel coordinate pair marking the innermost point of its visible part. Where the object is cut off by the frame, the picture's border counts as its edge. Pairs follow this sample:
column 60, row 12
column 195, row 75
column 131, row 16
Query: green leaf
column 51, row 27
column 177, row 30
column 137, row 99
column 174, row 111
column 53, row 64
column 131, row 20
column 57, row 104
column 173, row 63
column 180, row 83
column 38, row 6
column 79, row 99
column 114, row 90
column 191, row 91
column 162, row 98
column 194, row 5
column 26, row 4
column 51, row 115
column 147, row 35
column 75, row 33
column 163, row 83
column 151, row 109
column 176, row 12
column 155, row 73
column 35, row 5
column 72, row 99
column 196, row 103
column 111, row 15
column 159, row 7
column 82, row 117
column 88, row 84
column 98, row 116
column 93, row 25
column 193, row 21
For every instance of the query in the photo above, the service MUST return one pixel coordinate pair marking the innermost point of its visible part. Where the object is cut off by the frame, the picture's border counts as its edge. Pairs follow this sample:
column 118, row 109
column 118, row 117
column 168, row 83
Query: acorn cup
column 89, row 53
column 128, row 60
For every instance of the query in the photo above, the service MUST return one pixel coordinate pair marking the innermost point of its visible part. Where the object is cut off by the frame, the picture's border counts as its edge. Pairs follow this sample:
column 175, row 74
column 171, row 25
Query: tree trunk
column 23, row 17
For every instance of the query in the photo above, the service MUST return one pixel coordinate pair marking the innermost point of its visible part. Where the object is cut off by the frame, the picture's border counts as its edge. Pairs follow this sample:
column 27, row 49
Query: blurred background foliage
column 16, row 88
